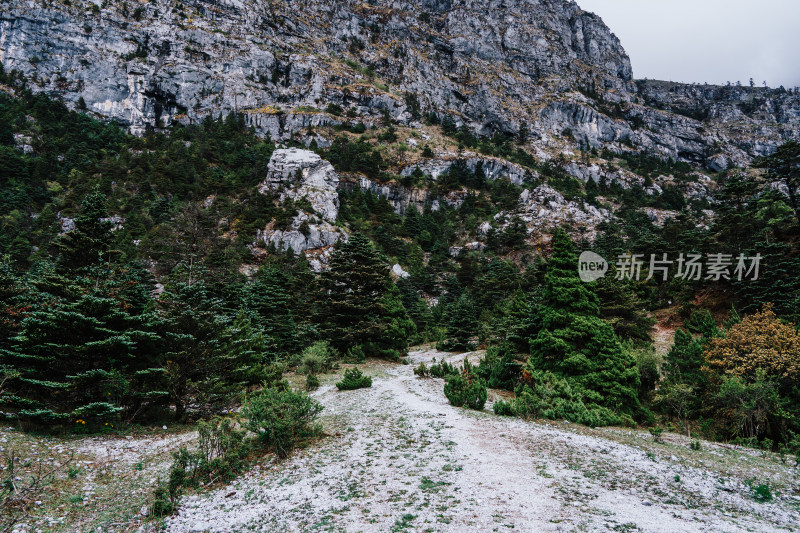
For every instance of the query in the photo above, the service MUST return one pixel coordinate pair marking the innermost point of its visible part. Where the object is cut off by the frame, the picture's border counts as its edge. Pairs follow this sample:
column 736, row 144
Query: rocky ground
column 398, row 457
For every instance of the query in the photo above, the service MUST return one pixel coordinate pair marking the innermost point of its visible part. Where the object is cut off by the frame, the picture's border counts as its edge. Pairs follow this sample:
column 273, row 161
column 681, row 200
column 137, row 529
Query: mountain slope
column 492, row 66
column 399, row 454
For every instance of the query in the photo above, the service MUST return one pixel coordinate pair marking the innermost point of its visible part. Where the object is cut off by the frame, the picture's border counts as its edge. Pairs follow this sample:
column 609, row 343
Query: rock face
column 302, row 176
column 544, row 209
column 493, row 65
column 493, row 168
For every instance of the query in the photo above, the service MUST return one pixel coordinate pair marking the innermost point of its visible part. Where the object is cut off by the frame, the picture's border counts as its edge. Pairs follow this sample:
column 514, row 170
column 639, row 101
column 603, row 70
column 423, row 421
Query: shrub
column 545, row 395
column 759, row 342
column 656, row 432
column 422, row 371
column 334, row 109
column 760, row 493
column 503, row 408
column 356, row 355
column 696, row 446
column 354, row 379
column 466, row 390
column 221, row 455
column 281, row 419
column 312, row 382
column 316, row 358
column 498, row 368
column 442, row 370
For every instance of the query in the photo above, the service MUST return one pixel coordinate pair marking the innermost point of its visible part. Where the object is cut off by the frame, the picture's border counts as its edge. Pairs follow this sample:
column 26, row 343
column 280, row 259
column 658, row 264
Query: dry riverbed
column 398, row 457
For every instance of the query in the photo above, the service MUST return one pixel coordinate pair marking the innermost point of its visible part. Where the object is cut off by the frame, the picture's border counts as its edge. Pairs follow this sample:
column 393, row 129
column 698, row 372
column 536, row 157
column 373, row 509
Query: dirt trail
column 400, row 458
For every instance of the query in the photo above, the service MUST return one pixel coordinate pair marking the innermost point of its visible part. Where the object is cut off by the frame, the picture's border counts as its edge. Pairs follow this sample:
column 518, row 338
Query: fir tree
column 514, row 324
column 354, row 287
column 393, row 341
column 76, row 359
column 784, row 166
column 462, row 326
column 13, row 305
column 233, row 367
column 193, row 326
column 267, row 301
column 576, row 345
column 624, row 310
column 89, row 241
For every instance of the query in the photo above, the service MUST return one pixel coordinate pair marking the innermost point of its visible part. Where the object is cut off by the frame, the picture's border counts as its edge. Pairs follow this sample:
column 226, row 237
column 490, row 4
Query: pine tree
column 89, row 241
column 267, row 301
column 576, row 345
column 353, row 288
column 393, row 342
column 87, row 350
column 13, row 304
column 357, row 307
column 514, row 324
column 462, row 326
column 415, row 305
column 784, row 166
column 237, row 364
column 624, row 310
column 76, row 359
column 193, row 325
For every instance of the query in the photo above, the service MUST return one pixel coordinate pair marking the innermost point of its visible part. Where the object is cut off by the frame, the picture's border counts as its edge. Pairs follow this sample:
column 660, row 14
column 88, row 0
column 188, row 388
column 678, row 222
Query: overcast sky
column 710, row 41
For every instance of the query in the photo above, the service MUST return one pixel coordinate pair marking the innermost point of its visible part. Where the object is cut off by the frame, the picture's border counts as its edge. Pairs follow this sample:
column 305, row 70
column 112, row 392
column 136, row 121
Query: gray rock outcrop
column 302, row 175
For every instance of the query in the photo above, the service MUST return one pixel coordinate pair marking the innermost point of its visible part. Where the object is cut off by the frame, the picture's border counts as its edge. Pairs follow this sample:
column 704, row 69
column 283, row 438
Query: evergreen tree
column 576, row 345
column 784, row 166
column 393, row 341
column 236, row 365
column 77, row 359
column 267, row 301
column 462, row 326
column 194, row 330
column 13, row 305
column 416, row 307
column 514, row 324
column 353, row 311
column 412, row 225
column 624, row 310
column 89, row 241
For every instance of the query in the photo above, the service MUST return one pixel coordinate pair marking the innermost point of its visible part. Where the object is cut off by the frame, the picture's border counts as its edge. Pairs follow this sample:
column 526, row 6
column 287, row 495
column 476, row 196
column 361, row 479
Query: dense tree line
column 121, row 298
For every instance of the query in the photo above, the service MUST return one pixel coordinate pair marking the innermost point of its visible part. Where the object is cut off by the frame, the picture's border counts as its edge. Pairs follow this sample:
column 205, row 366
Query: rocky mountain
column 544, row 71
column 495, row 66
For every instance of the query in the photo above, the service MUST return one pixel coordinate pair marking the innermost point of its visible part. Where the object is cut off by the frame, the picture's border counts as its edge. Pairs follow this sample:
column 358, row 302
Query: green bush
column 759, row 492
column 354, row 379
column 442, row 370
column 656, row 432
column 503, row 408
column 281, row 419
column 545, row 395
column 221, row 455
column 356, row 355
column 316, row 358
column 466, row 390
column 499, row 368
column 312, row 382
column 422, row 371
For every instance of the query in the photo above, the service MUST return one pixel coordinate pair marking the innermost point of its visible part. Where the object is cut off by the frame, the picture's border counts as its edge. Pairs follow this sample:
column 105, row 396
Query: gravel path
column 399, row 458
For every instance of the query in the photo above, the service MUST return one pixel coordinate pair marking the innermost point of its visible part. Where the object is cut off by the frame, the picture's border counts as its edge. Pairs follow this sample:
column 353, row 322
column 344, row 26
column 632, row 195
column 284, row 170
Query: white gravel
column 399, row 458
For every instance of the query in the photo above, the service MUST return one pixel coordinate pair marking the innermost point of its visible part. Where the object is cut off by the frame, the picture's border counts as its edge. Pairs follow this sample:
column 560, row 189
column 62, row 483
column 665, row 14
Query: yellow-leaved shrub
column 759, row 341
